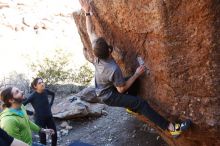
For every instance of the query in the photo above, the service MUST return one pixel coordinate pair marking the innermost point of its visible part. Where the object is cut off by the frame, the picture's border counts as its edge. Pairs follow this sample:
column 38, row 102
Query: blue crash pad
column 78, row 143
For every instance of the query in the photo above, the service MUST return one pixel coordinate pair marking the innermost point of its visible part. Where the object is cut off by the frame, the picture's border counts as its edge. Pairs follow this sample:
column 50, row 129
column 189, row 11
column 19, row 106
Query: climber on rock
column 111, row 86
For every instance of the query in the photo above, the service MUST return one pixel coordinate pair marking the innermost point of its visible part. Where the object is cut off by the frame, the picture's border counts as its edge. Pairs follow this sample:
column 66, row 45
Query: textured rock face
column 77, row 108
column 179, row 41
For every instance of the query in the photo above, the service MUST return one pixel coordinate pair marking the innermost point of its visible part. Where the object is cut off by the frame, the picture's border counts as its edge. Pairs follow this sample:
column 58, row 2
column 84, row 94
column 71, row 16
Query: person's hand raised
column 140, row 70
column 85, row 4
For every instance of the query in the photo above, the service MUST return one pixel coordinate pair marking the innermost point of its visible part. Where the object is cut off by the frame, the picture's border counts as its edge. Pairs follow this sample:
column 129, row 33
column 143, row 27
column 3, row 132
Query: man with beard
column 14, row 119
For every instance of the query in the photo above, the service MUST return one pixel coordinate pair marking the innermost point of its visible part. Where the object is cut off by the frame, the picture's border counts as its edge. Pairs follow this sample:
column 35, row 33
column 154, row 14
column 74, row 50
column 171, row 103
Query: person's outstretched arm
column 89, row 27
column 36, row 128
column 124, row 87
column 28, row 99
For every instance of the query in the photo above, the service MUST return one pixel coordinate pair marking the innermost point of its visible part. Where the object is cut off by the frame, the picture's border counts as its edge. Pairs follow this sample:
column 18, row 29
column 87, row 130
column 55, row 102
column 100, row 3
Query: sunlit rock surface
column 179, row 41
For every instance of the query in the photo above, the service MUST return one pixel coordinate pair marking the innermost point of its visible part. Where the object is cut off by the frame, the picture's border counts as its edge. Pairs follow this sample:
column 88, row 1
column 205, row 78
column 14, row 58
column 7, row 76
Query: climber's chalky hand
column 85, row 4
column 140, row 70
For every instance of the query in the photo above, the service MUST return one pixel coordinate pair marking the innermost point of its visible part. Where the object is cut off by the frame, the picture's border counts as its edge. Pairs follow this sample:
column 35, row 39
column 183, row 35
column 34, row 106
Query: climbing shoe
column 131, row 112
column 179, row 128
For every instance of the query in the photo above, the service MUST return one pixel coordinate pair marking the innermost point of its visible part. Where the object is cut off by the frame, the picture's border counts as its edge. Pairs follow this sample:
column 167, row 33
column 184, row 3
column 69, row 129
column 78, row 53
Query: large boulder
column 73, row 107
column 88, row 94
column 179, row 42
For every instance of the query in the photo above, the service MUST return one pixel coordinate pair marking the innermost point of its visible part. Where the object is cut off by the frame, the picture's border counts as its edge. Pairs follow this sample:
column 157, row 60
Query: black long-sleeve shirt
column 40, row 103
column 5, row 139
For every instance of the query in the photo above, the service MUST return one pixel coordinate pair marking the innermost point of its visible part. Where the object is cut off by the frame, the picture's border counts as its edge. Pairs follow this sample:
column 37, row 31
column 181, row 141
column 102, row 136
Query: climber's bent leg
column 137, row 104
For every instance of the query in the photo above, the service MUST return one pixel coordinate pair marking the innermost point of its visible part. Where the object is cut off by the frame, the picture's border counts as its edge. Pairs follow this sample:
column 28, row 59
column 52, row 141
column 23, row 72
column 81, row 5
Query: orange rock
column 179, row 41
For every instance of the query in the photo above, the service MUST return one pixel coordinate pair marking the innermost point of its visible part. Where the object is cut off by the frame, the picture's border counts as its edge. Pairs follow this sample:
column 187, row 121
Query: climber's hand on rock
column 140, row 70
column 85, row 4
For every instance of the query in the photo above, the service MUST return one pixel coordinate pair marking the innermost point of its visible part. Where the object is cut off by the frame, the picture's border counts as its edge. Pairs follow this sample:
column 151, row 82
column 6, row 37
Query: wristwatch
column 87, row 14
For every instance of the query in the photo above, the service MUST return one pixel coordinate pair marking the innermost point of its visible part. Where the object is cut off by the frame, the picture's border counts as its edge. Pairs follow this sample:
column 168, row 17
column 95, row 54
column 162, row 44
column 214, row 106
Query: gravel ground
column 118, row 128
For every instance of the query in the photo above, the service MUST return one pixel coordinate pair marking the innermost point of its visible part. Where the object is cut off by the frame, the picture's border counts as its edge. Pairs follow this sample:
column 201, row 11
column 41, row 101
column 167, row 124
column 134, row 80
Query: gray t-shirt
column 107, row 75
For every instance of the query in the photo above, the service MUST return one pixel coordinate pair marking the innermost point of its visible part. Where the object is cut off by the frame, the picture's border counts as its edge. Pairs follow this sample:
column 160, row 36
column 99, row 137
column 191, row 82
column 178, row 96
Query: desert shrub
column 56, row 69
column 84, row 75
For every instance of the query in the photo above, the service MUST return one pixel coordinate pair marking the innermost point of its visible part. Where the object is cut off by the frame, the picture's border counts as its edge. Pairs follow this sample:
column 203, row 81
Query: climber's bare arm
column 90, row 28
column 139, row 71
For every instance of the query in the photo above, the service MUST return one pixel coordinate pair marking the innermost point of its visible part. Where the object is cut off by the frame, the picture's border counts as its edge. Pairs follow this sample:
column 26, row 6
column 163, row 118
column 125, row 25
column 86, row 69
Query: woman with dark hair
column 42, row 107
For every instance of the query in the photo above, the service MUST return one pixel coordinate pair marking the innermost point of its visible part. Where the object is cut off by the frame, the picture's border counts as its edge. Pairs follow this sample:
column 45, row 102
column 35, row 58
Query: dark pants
column 47, row 122
column 37, row 144
column 136, row 104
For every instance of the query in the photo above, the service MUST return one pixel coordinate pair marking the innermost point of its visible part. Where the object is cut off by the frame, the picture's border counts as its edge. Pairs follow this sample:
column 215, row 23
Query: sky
column 20, row 47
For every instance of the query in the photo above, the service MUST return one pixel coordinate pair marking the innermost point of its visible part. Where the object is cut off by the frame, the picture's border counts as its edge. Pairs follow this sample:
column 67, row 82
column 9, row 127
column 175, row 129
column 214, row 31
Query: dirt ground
column 118, row 128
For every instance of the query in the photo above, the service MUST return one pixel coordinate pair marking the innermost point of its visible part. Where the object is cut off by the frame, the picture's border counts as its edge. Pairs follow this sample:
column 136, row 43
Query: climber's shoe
column 131, row 112
column 179, row 128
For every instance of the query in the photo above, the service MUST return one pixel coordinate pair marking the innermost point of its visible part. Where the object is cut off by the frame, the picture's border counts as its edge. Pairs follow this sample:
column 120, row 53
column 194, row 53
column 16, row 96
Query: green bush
column 84, row 75
column 56, row 69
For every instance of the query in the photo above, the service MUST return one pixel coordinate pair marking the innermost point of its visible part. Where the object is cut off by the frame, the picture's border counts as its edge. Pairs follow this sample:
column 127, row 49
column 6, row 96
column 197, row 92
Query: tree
column 84, row 75
column 56, row 69
column 53, row 69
